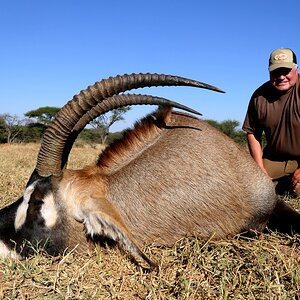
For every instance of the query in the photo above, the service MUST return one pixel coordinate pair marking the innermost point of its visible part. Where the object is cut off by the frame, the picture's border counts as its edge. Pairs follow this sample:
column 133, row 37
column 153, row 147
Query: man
column 274, row 109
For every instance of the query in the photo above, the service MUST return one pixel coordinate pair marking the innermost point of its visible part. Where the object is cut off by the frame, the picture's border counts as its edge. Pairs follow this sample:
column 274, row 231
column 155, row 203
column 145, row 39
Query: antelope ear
column 101, row 218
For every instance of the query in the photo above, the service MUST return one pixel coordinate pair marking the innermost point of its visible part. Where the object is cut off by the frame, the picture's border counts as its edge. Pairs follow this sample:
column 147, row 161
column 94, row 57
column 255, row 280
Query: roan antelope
column 170, row 177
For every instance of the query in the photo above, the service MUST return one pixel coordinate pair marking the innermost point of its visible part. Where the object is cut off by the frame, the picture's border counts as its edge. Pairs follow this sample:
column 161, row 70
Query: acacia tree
column 103, row 123
column 43, row 115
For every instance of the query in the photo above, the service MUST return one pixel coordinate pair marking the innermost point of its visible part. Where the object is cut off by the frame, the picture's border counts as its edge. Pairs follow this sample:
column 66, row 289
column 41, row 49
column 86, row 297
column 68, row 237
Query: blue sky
column 50, row 50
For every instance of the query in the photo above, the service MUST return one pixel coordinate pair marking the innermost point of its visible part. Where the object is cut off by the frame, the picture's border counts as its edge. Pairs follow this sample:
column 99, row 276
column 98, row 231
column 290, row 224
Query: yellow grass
column 265, row 267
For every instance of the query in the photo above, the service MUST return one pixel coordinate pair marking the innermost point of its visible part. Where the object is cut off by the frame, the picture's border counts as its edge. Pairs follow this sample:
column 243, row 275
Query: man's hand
column 296, row 179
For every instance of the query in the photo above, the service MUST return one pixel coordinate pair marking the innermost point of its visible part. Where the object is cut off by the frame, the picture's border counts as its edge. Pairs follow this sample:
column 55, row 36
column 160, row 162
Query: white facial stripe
column 5, row 252
column 49, row 211
column 22, row 209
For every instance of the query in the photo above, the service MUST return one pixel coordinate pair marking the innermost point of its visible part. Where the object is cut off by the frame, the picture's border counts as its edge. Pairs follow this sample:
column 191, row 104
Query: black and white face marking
column 34, row 218
column 46, row 203
column 23, row 207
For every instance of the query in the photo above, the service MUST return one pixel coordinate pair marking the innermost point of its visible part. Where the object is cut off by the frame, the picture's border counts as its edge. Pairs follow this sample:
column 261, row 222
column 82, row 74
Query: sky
column 50, row 50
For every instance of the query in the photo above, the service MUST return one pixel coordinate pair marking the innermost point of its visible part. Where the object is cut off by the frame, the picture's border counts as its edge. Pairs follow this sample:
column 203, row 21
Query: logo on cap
column 280, row 56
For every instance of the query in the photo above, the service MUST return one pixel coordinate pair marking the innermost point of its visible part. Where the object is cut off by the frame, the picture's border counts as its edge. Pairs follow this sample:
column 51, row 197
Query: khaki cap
column 282, row 58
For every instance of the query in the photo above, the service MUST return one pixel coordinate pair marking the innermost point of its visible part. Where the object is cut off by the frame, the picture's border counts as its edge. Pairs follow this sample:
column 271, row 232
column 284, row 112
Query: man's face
column 284, row 78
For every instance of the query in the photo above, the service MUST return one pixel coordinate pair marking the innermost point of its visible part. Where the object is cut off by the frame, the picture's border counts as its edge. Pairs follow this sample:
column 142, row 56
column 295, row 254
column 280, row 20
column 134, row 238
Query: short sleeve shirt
column 278, row 116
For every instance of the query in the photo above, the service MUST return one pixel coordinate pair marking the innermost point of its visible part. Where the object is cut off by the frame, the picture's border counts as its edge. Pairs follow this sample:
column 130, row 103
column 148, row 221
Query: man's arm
column 255, row 150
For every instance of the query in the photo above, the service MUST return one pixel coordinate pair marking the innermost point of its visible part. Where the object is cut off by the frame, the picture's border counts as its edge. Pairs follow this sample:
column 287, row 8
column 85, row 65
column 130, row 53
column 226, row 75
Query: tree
column 229, row 127
column 11, row 127
column 2, row 131
column 103, row 123
column 33, row 132
column 43, row 115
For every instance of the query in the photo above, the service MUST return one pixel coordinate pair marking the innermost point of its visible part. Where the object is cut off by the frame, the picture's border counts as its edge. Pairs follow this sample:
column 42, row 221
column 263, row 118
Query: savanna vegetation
column 14, row 129
column 265, row 266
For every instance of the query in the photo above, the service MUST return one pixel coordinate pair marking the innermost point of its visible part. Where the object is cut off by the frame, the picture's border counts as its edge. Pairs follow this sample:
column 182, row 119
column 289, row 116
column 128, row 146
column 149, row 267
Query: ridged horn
column 50, row 161
column 115, row 102
column 122, row 100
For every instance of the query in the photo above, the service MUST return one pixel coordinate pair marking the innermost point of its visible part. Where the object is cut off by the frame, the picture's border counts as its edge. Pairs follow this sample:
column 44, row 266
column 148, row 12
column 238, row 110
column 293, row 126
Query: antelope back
column 183, row 177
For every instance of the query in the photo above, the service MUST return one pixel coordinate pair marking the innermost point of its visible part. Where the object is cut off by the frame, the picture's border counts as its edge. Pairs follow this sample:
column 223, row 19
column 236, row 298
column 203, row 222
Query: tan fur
column 144, row 135
column 172, row 176
column 84, row 195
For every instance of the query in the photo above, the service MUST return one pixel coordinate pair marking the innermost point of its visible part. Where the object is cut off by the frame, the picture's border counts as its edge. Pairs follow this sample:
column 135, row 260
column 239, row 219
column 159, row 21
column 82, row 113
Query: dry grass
column 265, row 267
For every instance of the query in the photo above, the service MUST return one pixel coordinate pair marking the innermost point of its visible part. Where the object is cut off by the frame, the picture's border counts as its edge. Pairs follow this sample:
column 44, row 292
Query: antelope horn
column 114, row 102
column 122, row 100
column 50, row 158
